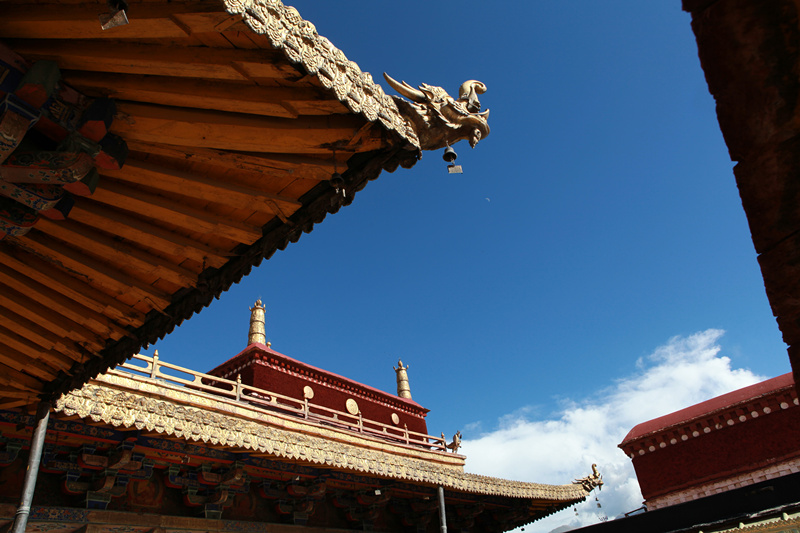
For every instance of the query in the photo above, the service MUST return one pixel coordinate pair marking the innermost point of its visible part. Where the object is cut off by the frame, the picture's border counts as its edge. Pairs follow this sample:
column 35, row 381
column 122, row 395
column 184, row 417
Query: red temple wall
column 331, row 396
column 720, row 454
column 269, row 370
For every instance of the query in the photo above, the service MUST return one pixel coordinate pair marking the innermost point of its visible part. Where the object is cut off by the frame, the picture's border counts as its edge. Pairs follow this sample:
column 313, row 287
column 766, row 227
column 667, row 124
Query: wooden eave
column 750, row 53
column 232, row 141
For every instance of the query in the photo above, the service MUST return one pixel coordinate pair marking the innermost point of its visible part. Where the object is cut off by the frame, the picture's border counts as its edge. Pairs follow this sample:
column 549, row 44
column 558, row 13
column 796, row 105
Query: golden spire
column 257, row 333
column 403, row 389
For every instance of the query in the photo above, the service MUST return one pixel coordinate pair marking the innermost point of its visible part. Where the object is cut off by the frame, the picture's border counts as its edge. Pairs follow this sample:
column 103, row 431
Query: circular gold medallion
column 308, row 392
column 395, row 419
column 352, row 406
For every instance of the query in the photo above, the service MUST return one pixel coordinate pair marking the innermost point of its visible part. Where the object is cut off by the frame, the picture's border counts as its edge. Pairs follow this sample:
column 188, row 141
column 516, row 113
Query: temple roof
column 772, row 394
column 220, row 133
column 161, row 406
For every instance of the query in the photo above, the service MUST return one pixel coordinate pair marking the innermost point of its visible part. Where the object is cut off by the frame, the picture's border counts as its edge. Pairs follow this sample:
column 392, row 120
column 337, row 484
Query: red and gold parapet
column 323, row 393
column 261, row 366
column 737, row 439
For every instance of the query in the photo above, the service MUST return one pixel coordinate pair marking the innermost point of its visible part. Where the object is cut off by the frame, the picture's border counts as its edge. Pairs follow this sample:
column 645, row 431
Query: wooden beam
column 13, row 404
column 158, row 60
column 26, row 395
column 90, row 269
column 171, row 20
column 19, row 379
column 228, row 131
column 93, row 241
column 298, row 166
column 20, row 361
column 156, row 207
column 7, row 381
column 59, row 21
column 51, row 321
column 33, row 350
column 210, row 22
column 150, row 235
column 70, row 308
column 41, row 343
column 76, row 288
column 194, row 185
column 207, row 94
column 90, row 528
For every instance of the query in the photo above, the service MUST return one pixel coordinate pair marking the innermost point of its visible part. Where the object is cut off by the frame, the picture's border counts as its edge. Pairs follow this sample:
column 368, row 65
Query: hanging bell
column 450, row 156
column 337, row 182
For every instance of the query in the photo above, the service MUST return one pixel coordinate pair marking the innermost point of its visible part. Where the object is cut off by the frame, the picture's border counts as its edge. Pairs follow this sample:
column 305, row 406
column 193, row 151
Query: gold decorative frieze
column 151, row 406
column 302, row 44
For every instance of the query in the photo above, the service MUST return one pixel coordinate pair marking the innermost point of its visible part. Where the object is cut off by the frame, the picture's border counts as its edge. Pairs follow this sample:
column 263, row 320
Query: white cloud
column 683, row 372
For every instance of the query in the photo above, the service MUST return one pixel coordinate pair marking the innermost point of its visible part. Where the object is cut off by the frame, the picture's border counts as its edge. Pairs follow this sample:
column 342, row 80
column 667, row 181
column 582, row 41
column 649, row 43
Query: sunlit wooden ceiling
column 231, row 149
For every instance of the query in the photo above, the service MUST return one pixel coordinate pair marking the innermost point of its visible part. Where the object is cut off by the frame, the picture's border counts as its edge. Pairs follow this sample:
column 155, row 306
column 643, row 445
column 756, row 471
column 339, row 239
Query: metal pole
column 35, row 457
column 442, row 517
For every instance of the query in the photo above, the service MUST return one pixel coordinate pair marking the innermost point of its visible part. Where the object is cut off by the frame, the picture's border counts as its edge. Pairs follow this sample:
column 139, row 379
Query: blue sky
column 598, row 224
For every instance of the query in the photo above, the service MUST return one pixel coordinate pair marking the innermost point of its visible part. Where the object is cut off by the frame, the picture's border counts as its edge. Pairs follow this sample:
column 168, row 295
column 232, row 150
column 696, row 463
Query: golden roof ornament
column 437, row 118
column 403, row 389
column 257, row 333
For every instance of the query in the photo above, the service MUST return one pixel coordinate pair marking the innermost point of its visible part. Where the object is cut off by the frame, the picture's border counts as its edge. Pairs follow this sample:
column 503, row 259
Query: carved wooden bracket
column 73, row 139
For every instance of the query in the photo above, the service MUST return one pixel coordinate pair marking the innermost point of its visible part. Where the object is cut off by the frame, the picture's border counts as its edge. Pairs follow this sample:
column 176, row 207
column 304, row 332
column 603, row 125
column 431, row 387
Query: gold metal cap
column 403, row 388
column 257, row 333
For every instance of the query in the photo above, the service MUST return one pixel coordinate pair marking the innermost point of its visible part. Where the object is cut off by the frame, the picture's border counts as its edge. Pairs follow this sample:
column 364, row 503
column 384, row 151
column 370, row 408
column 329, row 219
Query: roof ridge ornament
column 437, row 118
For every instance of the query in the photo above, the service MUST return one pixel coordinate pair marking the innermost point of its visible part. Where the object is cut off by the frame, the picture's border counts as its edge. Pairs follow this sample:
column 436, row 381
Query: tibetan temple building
column 152, row 152
column 261, row 443
column 731, row 463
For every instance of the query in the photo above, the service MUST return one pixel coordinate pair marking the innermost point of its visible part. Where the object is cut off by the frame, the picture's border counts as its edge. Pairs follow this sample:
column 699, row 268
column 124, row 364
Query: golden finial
column 257, row 333
column 403, row 389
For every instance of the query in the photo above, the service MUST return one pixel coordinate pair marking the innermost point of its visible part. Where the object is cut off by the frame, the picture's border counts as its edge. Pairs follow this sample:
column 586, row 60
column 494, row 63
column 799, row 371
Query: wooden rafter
column 79, row 21
column 157, row 60
column 157, row 207
column 204, row 188
column 91, row 269
column 230, row 145
column 146, row 233
column 100, row 325
column 226, row 131
column 298, row 166
column 28, row 265
column 283, row 102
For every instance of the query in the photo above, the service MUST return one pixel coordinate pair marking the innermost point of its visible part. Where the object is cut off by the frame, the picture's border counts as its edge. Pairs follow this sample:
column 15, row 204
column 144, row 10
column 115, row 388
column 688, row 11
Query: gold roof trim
column 121, row 401
column 299, row 40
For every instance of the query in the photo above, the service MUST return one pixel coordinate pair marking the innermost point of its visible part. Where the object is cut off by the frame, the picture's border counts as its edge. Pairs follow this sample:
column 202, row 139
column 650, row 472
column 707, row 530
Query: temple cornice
column 129, row 402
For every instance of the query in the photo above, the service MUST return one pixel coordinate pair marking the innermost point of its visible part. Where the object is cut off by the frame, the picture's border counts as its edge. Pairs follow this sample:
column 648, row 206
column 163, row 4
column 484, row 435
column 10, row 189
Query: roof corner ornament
column 403, row 388
column 257, row 333
column 437, row 118
column 589, row 483
column 456, row 444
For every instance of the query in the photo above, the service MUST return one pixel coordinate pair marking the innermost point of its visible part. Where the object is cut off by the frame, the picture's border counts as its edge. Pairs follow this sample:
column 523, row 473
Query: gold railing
column 279, row 404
